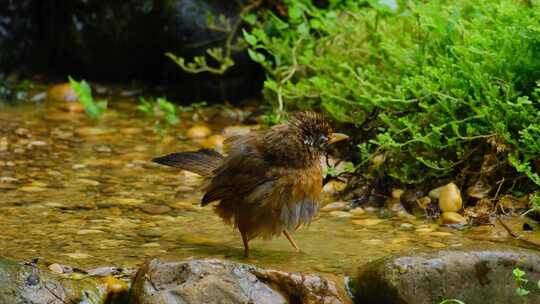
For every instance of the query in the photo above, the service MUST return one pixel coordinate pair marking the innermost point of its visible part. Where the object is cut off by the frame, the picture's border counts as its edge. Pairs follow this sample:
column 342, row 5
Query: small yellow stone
column 56, row 268
column 340, row 214
column 199, row 131
column 424, row 230
column 436, row 245
column 450, row 198
column 357, row 211
column 453, row 218
column 367, row 222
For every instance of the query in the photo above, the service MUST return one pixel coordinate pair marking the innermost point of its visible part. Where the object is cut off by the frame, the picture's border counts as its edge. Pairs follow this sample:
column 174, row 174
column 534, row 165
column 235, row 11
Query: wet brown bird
column 270, row 182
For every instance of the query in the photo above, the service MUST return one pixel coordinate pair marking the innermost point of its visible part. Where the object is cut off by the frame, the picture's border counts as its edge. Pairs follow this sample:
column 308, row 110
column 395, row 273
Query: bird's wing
column 240, row 173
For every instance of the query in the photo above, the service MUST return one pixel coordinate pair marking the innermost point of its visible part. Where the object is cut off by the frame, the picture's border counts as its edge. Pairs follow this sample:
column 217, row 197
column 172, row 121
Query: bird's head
column 314, row 131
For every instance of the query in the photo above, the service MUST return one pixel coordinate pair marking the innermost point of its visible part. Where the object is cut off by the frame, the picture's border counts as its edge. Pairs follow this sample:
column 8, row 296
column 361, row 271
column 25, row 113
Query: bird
column 270, row 181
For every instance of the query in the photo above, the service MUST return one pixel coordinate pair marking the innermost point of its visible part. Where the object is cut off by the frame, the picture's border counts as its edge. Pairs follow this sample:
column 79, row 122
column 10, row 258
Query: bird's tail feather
column 202, row 162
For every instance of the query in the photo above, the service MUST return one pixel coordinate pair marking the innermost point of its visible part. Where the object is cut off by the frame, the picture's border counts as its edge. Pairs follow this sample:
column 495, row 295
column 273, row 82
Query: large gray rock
column 215, row 281
column 482, row 274
column 28, row 284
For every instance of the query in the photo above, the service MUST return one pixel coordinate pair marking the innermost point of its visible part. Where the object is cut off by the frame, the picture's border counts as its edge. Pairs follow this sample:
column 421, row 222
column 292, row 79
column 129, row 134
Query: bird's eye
column 322, row 140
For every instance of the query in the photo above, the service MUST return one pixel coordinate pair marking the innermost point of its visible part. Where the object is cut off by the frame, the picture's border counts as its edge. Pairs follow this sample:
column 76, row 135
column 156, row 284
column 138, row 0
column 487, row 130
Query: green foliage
column 93, row 108
column 336, row 171
column 521, row 282
column 436, row 80
column 162, row 110
column 220, row 57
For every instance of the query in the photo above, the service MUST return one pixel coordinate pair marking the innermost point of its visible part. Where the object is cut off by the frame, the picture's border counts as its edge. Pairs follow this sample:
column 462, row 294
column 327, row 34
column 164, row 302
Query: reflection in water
column 83, row 193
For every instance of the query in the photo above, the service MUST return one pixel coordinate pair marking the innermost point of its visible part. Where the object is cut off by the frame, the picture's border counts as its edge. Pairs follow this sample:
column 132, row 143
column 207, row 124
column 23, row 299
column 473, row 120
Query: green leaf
column 522, row 292
column 251, row 39
column 295, row 12
column 255, row 56
column 250, row 19
column 92, row 108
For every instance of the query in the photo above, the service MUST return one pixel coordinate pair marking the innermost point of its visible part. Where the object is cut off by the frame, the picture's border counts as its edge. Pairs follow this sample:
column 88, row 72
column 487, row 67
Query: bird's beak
column 335, row 137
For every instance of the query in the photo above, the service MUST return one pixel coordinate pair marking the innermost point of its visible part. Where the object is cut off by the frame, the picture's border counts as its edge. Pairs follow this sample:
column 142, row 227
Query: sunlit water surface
column 85, row 193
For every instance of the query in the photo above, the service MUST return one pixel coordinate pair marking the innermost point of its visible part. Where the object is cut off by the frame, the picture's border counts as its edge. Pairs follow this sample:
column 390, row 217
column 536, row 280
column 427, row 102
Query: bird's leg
column 293, row 243
column 246, row 245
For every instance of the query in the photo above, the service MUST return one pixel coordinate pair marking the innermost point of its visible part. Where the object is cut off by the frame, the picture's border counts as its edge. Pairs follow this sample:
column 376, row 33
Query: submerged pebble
column 336, row 206
column 340, row 214
column 453, row 218
column 436, row 245
column 357, row 211
column 406, row 226
column 155, row 209
column 367, row 222
column 62, row 92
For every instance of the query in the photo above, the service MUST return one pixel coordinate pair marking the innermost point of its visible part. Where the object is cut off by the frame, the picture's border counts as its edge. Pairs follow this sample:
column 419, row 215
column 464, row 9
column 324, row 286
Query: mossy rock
column 482, row 274
column 23, row 283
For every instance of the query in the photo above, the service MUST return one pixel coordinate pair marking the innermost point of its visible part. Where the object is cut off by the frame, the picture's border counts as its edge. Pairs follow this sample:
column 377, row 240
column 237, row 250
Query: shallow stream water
column 84, row 193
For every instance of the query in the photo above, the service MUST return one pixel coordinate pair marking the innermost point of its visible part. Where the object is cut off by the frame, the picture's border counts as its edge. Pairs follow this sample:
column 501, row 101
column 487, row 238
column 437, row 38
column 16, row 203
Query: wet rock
column 340, row 214
column 450, row 198
column 424, row 230
column 481, row 274
column 508, row 202
column 358, row 211
column 62, row 92
column 409, row 198
column 104, row 271
column 334, row 186
column 424, row 202
column 56, row 268
column 200, row 131
column 32, row 189
column 436, row 245
column 215, row 281
column 155, row 209
column 93, row 131
column 453, row 218
column 434, row 193
column 406, row 226
column 22, row 283
column 150, row 232
column 480, row 189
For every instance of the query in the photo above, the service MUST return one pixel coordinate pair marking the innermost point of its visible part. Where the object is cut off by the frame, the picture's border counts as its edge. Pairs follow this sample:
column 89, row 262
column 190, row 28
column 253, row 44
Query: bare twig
column 518, row 236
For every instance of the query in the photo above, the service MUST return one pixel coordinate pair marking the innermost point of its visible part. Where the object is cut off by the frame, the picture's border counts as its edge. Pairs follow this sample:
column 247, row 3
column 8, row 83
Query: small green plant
column 93, row 108
column 220, row 57
column 335, row 171
column 519, row 277
column 521, row 282
column 534, row 202
column 162, row 110
column 196, row 110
